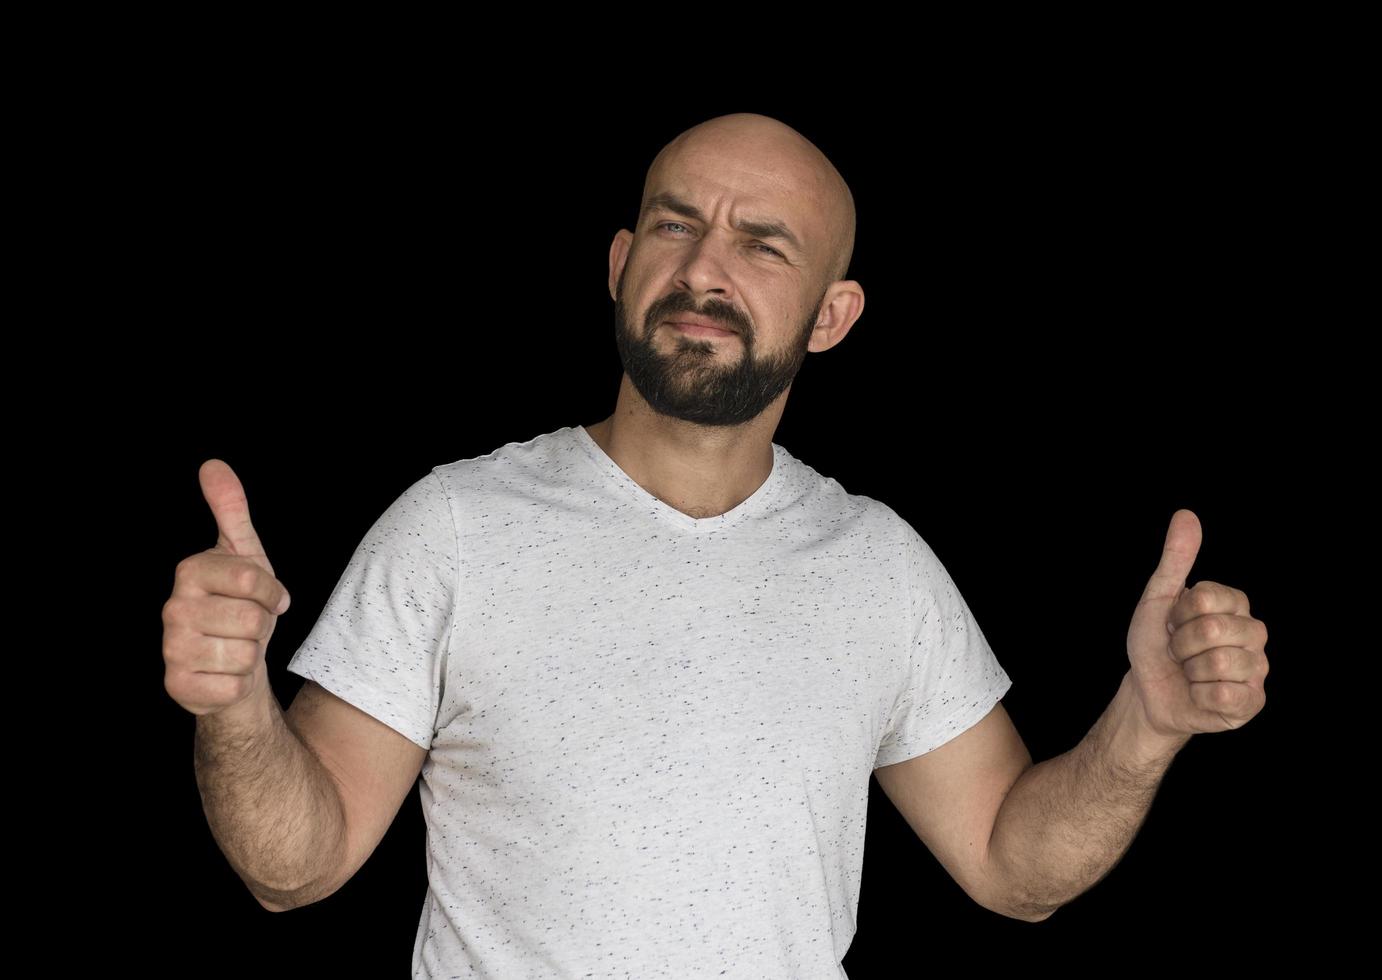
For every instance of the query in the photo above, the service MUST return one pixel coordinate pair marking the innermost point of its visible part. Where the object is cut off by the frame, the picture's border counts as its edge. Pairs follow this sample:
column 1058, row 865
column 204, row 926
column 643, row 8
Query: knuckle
column 211, row 653
column 246, row 656
column 246, row 578
column 253, row 617
column 192, row 566
column 229, row 654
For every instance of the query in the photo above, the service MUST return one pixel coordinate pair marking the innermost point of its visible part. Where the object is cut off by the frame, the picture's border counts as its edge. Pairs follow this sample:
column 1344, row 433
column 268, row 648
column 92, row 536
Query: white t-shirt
column 650, row 735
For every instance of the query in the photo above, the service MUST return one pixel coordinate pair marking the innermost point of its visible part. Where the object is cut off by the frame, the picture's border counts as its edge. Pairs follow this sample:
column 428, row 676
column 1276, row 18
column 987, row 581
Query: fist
column 223, row 609
column 1197, row 655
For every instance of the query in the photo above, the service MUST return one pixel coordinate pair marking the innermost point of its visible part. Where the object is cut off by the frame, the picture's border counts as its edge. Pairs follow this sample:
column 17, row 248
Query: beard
column 695, row 382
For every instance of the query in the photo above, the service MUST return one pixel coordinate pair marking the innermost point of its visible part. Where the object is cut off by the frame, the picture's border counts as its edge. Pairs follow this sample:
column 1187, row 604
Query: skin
column 695, row 416
column 694, row 425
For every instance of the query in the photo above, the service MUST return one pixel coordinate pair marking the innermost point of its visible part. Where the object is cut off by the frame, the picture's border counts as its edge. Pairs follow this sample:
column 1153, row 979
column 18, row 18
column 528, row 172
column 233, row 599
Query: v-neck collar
column 755, row 503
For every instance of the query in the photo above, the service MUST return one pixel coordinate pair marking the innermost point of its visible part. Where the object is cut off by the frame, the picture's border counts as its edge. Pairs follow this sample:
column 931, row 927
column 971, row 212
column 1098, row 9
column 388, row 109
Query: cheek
column 640, row 277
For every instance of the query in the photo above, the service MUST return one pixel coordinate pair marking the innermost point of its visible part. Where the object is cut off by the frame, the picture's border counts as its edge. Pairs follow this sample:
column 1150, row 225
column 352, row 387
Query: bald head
column 771, row 147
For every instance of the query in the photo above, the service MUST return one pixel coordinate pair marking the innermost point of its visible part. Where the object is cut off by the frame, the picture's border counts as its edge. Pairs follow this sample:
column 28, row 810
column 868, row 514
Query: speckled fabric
column 650, row 735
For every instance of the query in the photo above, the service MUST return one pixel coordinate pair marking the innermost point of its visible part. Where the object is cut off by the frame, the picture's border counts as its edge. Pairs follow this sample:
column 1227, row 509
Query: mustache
column 729, row 319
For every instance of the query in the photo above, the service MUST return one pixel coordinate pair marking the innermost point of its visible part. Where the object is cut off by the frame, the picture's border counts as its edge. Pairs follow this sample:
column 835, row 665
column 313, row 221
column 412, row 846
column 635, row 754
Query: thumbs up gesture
column 224, row 607
column 1197, row 654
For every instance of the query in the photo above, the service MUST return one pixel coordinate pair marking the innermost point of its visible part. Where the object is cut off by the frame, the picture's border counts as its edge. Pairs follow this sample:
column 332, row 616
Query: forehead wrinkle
column 760, row 227
column 771, row 147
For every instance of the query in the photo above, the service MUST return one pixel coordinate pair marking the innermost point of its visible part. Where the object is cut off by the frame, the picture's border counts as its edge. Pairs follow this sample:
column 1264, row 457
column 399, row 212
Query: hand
column 225, row 604
column 1198, row 656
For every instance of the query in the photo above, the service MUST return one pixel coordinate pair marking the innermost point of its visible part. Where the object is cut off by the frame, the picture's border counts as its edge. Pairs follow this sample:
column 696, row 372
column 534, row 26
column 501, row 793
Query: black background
column 1088, row 305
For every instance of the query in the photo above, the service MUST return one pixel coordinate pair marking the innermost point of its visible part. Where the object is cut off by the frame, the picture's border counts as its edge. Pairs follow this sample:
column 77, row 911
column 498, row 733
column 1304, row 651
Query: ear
column 619, row 251
column 841, row 307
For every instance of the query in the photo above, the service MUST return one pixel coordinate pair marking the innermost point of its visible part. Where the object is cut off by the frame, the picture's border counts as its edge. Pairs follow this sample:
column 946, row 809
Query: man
column 646, row 667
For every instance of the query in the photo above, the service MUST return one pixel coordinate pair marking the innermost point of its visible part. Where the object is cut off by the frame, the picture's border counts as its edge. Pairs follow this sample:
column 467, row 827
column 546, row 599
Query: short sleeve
column 380, row 642
column 955, row 678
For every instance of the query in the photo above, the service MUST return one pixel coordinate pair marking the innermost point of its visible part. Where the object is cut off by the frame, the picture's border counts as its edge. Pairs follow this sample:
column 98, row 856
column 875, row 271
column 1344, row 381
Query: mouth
column 696, row 327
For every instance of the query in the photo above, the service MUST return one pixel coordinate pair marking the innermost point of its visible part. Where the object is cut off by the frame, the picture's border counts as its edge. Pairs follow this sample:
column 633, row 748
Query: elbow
column 1004, row 899
column 277, row 900
column 280, row 901
column 273, row 905
column 1023, row 910
column 1029, row 912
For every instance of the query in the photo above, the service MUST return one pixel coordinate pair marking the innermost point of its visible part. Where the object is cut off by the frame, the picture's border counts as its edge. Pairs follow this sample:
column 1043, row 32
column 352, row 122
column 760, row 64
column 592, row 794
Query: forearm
column 1067, row 821
column 271, row 805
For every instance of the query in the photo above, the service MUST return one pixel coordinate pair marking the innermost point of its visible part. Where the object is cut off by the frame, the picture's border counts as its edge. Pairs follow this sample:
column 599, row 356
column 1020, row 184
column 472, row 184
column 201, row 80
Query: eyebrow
column 767, row 228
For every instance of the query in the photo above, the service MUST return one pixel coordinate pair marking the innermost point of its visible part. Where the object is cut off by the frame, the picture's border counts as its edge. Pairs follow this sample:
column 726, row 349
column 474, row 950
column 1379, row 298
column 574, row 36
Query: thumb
column 1177, row 556
column 226, row 497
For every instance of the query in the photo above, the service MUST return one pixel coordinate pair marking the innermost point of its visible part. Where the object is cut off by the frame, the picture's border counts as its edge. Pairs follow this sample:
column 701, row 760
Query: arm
column 1023, row 839
column 1067, row 821
column 272, row 806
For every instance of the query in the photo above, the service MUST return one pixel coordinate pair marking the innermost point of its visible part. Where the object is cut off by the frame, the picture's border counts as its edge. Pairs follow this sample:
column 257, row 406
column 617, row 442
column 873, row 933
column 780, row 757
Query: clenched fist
column 224, row 607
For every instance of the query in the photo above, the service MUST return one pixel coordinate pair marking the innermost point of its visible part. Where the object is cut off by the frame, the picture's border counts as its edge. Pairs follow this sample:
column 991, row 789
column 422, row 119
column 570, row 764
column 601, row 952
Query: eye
column 771, row 250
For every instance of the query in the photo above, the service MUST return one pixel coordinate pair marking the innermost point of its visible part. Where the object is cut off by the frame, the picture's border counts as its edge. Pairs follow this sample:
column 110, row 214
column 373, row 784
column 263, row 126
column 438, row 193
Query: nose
column 705, row 267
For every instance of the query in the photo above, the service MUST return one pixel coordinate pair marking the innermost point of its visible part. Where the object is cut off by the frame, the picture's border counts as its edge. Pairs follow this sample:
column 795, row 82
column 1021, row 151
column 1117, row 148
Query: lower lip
column 698, row 331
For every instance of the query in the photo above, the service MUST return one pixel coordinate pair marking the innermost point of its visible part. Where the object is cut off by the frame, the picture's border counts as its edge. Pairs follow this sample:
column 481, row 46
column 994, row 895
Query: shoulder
column 514, row 474
column 863, row 524
column 514, row 460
